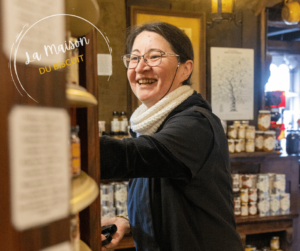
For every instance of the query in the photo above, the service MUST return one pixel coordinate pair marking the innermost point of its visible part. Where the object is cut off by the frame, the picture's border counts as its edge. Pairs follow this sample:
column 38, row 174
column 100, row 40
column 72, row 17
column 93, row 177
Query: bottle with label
column 123, row 124
column 115, row 125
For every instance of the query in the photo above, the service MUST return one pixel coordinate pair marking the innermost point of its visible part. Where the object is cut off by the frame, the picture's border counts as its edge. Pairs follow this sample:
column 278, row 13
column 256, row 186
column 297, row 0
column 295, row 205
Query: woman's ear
column 187, row 69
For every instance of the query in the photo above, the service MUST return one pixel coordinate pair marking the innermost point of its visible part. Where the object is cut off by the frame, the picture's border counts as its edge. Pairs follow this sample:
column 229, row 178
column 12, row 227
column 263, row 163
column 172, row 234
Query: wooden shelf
column 257, row 218
column 254, row 154
column 78, row 96
column 84, row 191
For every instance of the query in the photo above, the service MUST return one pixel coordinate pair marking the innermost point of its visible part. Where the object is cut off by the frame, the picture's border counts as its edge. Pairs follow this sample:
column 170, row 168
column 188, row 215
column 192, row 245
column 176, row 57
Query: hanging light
column 223, row 10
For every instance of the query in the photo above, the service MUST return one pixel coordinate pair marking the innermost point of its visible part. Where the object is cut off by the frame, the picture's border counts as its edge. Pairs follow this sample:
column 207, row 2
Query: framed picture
column 193, row 24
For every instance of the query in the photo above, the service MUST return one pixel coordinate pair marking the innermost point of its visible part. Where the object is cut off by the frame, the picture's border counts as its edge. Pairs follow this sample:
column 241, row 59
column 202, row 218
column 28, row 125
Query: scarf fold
column 146, row 121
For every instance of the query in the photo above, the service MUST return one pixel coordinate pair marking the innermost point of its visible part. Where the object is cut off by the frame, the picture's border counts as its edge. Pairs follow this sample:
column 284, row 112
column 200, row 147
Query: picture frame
column 193, row 24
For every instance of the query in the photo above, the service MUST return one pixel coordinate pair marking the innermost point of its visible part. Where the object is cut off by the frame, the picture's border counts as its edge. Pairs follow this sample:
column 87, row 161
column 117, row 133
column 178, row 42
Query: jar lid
column 270, row 132
column 252, row 203
column 259, row 131
column 231, row 140
column 275, row 238
column 245, row 122
column 264, row 111
column 236, row 122
column 244, row 189
column 231, row 126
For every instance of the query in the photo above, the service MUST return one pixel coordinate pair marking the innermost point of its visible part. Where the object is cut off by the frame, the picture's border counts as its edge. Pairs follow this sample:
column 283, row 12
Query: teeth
column 146, row 81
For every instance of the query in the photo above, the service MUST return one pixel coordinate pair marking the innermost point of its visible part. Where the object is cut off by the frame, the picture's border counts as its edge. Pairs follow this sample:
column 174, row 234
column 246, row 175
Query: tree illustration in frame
column 232, row 77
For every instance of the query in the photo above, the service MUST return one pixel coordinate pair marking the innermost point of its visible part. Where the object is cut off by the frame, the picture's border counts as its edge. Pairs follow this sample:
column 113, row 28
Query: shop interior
column 95, row 92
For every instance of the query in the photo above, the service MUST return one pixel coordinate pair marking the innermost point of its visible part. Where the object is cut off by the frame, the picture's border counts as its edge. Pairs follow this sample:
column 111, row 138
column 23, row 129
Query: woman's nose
column 142, row 65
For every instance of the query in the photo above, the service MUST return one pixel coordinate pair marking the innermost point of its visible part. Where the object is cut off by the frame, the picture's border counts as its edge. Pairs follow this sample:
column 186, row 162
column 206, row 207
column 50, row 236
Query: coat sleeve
column 168, row 153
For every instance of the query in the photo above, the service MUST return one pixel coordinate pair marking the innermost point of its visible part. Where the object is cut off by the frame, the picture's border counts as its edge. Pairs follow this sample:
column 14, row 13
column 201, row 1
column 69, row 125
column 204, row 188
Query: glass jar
column 236, row 124
column 250, row 145
column 292, row 142
column 252, row 208
column 241, row 132
column 250, row 132
column 269, row 141
column 244, row 195
column 264, row 120
column 237, row 145
column 231, row 146
column 274, row 243
column 75, row 151
column 244, row 209
column 243, row 145
column 235, row 182
column 232, row 132
column 259, row 140
column 252, row 194
column 246, row 181
column 245, row 123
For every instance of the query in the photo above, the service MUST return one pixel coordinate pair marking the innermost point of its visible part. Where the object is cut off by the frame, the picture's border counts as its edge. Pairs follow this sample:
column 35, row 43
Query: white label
column 280, row 184
column 285, row 203
column 123, row 125
column 269, row 143
column 40, row 25
column 39, row 165
column 232, row 134
column 65, row 246
column 253, row 197
column 115, row 125
column 121, row 195
column 264, row 121
column 104, row 63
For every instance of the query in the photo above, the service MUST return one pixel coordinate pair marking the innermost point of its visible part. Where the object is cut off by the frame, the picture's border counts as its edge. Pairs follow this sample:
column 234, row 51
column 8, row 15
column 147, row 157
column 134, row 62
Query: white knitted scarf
column 146, row 121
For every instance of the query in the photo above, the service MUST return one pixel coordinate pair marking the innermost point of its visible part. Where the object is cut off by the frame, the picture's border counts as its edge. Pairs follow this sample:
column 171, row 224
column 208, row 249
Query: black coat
column 180, row 197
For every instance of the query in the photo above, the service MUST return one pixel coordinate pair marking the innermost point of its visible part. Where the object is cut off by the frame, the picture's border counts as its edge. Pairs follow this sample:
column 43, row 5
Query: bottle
column 101, row 126
column 115, row 125
column 123, row 124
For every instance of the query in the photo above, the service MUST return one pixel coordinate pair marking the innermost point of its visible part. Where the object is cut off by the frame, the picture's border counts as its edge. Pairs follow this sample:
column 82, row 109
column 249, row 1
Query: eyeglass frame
column 163, row 54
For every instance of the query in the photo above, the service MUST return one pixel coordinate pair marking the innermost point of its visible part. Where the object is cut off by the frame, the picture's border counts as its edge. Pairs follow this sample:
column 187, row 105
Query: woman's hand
column 123, row 228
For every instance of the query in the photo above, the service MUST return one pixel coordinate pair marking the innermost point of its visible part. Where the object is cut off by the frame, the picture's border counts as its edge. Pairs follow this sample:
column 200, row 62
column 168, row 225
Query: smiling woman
column 180, row 195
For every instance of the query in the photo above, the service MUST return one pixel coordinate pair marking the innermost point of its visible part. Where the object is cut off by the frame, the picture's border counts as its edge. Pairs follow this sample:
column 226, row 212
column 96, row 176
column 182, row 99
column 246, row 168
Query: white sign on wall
column 232, row 88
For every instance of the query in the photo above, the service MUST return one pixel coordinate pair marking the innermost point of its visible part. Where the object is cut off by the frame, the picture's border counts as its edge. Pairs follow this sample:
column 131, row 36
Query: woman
column 180, row 195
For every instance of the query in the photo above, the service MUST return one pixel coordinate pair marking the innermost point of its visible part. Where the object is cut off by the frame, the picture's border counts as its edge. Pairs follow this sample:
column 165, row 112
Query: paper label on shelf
column 65, row 246
column 104, row 64
column 39, row 165
column 29, row 26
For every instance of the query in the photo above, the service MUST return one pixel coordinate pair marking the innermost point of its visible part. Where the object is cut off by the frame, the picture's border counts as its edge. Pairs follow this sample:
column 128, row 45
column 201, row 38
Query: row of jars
column 264, row 204
column 274, row 245
column 113, row 199
column 265, row 182
column 262, row 141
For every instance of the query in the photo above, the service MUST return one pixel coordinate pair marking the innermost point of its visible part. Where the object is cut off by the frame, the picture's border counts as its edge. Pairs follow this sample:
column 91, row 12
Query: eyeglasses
column 151, row 58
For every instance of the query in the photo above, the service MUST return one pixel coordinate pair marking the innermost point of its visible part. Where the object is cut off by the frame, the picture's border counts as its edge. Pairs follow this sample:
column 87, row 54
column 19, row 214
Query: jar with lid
column 245, row 123
column 237, row 205
column 243, row 145
column 250, row 132
column 237, row 145
column 235, row 182
column 236, row 123
column 269, row 141
column 259, row 140
column 252, row 208
column 231, row 146
column 232, row 132
column 250, row 145
column 246, row 181
column 123, row 124
column 292, row 142
column 244, row 209
column 274, row 243
column 241, row 132
column 244, row 195
column 264, row 120
column 75, row 151
column 115, row 125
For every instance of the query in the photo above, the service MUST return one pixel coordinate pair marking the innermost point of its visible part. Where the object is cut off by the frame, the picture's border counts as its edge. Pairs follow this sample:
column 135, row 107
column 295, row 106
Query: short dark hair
column 179, row 41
